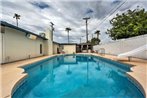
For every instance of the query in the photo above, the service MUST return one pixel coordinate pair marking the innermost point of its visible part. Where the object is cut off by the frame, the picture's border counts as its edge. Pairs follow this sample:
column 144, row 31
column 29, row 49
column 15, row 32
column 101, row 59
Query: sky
column 36, row 16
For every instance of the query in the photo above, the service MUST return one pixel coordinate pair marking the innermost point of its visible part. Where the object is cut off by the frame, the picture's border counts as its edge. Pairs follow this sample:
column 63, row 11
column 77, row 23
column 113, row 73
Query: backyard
column 73, row 49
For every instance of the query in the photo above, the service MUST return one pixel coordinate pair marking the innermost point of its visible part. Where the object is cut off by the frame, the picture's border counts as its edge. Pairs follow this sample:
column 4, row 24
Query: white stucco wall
column 69, row 49
column 48, row 33
column 17, row 46
column 55, row 46
column 49, row 43
column 125, row 45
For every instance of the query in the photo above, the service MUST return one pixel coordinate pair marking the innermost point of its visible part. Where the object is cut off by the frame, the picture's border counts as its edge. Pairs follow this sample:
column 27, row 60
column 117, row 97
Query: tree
column 129, row 24
column 68, row 29
column 16, row 16
column 97, row 33
column 95, row 41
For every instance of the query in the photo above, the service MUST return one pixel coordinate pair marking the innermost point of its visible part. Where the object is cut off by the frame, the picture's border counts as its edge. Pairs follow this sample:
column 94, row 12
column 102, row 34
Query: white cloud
column 64, row 14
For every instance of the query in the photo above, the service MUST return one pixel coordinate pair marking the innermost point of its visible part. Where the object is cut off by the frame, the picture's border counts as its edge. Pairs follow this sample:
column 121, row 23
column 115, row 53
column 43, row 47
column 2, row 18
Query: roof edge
column 3, row 23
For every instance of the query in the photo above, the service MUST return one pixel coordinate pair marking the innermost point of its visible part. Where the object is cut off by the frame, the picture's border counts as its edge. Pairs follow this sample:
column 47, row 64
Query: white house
column 18, row 44
column 67, row 48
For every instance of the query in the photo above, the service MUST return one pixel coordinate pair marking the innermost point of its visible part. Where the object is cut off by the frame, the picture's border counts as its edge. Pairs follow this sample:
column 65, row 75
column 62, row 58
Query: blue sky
column 36, row 15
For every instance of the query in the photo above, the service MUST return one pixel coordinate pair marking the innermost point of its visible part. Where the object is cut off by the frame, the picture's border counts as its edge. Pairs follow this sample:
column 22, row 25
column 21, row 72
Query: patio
column 11, row 74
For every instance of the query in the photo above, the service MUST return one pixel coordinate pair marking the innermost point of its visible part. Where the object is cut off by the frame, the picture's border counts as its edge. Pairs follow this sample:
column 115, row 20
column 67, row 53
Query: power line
column 114, row 8
column 113, row 11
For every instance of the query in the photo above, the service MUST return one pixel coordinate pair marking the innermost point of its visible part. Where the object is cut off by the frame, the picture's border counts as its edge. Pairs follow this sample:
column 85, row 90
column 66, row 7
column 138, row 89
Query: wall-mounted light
column 31, row 36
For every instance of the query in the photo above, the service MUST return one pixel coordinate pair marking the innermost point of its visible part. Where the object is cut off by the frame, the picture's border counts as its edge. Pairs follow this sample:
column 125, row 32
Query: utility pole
column 68, row 35
column 16, row 16
column 86, row 21
column 52, row 27
column 68, row 29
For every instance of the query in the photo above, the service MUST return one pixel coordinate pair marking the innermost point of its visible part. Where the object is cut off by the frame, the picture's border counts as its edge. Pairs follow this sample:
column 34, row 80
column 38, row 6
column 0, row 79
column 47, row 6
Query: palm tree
column 17, row 17
column 98, row 33
column 68, row 29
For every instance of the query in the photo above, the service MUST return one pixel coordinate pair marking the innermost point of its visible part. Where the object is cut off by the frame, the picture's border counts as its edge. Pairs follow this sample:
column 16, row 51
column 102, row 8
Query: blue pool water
column 77, row 76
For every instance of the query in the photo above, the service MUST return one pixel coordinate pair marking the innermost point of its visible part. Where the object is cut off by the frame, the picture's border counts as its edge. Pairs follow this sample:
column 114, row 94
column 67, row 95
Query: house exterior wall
column 46, row 47
column 55, row 48
column 69, row 49
column 49, row 42
column 125, row 45
column 50, row 49
column 16, row 46
column 0, row 47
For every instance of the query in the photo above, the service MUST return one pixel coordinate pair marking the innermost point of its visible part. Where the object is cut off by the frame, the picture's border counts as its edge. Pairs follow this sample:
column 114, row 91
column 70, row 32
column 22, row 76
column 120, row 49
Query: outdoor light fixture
column 31, row 36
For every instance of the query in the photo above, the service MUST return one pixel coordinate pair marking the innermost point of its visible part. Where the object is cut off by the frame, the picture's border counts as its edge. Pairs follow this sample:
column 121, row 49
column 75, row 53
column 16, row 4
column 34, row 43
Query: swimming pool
column 77, row 76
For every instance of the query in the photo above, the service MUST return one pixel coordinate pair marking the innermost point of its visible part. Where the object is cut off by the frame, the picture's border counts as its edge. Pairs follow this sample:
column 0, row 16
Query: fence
column 125, row 45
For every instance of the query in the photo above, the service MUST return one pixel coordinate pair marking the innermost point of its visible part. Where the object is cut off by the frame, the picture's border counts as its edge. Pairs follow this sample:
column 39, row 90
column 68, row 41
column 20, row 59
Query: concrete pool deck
column 11, row 74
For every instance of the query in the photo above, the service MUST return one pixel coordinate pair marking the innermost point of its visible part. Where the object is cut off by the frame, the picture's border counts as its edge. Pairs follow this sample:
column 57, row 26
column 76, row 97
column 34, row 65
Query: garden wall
column 125, row 45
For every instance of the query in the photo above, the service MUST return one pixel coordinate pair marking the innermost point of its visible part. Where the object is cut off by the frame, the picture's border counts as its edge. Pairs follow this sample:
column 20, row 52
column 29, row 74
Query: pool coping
column 22, row 76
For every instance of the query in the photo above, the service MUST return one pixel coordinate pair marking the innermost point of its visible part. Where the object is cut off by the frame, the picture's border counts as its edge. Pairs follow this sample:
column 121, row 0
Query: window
column 40, row 48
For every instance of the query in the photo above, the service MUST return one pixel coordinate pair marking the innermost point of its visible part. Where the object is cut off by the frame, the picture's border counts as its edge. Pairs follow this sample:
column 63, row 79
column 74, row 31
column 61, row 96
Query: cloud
column 36, row 15
column 41, row 5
